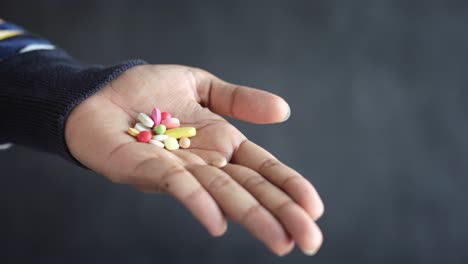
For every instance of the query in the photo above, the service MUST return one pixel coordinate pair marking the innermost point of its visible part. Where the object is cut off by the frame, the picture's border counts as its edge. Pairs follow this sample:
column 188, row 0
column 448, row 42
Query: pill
column 160, row 129
column 146, row 120
column 140, row 127
column 157, row 143
column 144, row 136
column 165, row 115
column 160, row 137
column 181, row 132
column 171, row 143
column 156, row 116
column 133, row 131
column 171, row 123
column 184, row 142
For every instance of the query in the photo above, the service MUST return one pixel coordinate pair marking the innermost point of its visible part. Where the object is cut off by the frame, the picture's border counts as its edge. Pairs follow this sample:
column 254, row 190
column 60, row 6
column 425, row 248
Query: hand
column 222, row 173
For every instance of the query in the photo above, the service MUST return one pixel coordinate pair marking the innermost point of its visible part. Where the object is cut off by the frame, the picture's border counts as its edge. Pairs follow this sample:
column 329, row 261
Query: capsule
column 181, row 132
column 133, row 131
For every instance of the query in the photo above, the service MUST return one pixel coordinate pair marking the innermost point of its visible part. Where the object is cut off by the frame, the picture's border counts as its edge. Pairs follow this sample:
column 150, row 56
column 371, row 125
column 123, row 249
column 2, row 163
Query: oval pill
column 171, row 123
column 160, row 137
column 144, row 136
column 181, row 132
column 133, row 131
column 160, row 129
column 184, row 142
column 157, row 143
column 156, row 116
column 140, row 127
column 146, row 120
column 171, row 143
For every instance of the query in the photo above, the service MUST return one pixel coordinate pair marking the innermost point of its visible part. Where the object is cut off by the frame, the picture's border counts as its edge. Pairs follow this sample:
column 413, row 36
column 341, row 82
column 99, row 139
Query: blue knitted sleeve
column 40, row 85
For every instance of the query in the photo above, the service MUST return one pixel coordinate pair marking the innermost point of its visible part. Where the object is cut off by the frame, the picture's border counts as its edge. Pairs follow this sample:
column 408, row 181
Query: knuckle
column 255, row 182
column 269, row 163
column 138, row 172
column 287, row 203
column 165, row 180
column 253, row 211
column 173, row 172
column 289, row 180
column 220, row 181
column 198, row 191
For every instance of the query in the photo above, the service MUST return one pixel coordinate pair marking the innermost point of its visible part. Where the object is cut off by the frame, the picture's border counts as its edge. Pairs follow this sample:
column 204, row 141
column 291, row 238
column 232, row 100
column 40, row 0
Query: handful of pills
column 162, row 130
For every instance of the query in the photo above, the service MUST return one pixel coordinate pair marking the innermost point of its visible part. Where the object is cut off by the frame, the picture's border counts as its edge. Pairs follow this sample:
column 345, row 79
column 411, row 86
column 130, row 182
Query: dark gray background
column 379, row 98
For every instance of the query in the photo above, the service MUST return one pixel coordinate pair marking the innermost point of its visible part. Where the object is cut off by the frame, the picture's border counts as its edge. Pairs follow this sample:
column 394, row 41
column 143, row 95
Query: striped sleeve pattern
column 15, row 40
column 39, row 87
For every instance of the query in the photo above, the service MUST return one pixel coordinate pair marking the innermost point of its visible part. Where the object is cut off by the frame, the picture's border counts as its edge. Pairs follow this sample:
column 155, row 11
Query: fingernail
column 310, row 252
column 288, row 114
column 219, row 162
column 220, row 232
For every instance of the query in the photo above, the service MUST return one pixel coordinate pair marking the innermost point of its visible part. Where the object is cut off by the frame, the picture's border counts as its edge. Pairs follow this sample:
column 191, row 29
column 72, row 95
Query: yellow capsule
column 133, row 131
column 181, row 132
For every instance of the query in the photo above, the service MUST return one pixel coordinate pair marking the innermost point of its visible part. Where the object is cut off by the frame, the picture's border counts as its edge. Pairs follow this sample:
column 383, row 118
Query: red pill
column 165, row 115
column 144, row 136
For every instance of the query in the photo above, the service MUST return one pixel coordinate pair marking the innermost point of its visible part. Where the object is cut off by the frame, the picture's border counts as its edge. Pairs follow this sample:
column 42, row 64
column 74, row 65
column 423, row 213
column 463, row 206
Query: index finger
column 294, row 184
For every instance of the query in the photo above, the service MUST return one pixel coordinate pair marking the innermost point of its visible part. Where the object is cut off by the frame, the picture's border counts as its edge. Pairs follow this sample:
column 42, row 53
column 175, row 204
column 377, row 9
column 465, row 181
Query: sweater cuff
column 39, row 89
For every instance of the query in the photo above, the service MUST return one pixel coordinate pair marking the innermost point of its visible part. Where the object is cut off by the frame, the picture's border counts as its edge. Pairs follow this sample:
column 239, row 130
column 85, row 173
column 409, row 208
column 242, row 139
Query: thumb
column 240, row 102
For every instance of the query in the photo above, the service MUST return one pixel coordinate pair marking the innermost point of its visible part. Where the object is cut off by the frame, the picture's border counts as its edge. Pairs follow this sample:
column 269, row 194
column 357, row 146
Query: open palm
column 222, row 173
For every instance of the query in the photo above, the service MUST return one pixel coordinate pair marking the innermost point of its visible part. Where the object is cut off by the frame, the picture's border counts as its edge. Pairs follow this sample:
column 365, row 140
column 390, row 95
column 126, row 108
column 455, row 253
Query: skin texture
column 222, row 174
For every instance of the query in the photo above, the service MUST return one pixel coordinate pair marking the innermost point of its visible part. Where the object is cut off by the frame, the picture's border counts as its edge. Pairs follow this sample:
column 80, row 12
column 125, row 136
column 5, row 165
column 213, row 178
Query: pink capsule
column 156, row 116
column 171, row 123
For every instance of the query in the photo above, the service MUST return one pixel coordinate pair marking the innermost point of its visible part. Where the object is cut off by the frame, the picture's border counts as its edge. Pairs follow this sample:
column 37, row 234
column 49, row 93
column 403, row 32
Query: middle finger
column 243, row 208
column 293, row 217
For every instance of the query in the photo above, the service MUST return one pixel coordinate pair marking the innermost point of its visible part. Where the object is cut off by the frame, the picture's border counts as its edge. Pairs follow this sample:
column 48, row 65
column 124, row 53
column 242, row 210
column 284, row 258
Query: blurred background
column 379, row 98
